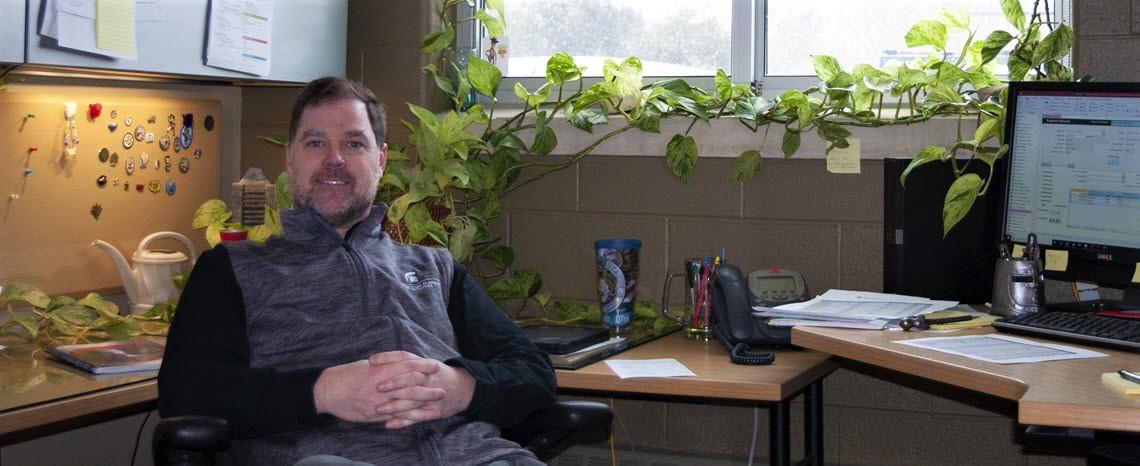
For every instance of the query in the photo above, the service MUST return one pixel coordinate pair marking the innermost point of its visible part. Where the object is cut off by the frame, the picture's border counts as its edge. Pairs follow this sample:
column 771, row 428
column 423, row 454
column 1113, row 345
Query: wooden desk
column 1056, row 393
column 775, row 385
column 36, row 392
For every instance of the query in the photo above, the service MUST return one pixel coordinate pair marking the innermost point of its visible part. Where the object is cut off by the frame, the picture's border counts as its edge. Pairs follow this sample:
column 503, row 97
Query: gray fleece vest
column 314, row 300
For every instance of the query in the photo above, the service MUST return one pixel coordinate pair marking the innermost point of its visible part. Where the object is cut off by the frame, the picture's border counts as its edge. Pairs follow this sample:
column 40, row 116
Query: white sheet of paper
column 240, row 32
column 1001, row 349
column 631, row 368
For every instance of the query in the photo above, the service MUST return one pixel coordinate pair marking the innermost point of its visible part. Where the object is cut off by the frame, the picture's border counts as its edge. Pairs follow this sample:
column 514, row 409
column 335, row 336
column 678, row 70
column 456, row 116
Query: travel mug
column 617, row 281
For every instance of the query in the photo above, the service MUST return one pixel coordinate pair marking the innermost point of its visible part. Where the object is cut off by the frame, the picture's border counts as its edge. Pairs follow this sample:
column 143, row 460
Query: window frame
column 747, row 54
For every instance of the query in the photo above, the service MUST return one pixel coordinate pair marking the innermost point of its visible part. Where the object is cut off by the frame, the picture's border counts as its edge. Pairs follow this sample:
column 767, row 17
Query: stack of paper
column 851, row 309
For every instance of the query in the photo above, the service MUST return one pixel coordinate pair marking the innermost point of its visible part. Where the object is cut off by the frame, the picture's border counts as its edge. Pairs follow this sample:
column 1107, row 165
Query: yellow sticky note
column 115, row 25
column 1136, row 274
column 844, row 160
column 1056, row 260
column 1117, row 383
column 1018, row 251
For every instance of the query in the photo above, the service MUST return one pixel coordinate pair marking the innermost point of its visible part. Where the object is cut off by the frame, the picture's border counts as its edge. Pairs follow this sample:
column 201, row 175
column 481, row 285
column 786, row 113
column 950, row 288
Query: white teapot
column 149, row 282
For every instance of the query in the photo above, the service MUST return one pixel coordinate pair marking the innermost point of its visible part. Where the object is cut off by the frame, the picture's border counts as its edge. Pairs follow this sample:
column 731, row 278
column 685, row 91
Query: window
column 768, row 41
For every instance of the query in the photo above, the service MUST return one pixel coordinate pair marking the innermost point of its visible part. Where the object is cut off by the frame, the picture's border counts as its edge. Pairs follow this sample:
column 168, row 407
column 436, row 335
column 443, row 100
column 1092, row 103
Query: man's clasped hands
column 397, row 388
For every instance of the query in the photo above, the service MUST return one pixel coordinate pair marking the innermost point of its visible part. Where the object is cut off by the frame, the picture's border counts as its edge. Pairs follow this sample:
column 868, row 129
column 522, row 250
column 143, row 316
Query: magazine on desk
column 112, row 356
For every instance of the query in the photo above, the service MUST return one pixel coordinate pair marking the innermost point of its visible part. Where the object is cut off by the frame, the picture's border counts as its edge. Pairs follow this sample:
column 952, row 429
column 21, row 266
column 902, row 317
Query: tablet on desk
column 564, row 339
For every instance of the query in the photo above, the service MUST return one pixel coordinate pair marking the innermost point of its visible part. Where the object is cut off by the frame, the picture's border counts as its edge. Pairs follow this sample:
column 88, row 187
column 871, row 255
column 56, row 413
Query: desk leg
column 813, row 423
column 779, row 449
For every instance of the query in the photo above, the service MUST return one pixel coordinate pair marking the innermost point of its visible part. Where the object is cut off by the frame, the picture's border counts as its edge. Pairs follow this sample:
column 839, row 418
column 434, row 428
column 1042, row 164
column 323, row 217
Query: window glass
column 671, row 37
column 871, row 32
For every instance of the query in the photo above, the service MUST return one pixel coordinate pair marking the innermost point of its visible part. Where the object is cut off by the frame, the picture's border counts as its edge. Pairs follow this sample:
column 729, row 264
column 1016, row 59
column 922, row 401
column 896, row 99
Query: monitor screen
column 1074, row 177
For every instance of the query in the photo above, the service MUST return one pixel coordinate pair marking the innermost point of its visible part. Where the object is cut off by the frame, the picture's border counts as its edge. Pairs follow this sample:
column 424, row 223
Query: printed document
column 1001, row 349
column 630, row 368
column 240, row 35
column 867, row 308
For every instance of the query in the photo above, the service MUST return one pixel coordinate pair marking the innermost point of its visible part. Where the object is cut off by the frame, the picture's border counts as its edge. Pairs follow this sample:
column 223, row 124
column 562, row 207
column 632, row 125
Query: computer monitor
column 1074, row 180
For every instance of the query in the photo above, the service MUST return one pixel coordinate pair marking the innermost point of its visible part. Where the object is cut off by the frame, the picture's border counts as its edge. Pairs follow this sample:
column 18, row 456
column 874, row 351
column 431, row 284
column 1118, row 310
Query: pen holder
column 696, row 307
column 1019, row 287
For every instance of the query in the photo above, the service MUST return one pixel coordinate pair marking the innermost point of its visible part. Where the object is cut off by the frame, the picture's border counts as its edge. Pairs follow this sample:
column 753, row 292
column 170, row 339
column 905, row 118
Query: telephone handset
column 732, row 319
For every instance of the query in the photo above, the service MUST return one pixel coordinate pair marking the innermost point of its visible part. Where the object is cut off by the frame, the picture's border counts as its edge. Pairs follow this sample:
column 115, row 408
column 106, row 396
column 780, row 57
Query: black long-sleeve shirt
column 206, row 367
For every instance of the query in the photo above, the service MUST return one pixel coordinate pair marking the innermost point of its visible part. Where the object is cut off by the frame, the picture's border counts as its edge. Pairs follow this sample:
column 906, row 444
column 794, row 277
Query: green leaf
column 282, row 193
column 1013, row 13
column 214, row 233
column 61, row 301
column 488, row 208
column 586, row 119
column 420, row 224
column 1054, row 46
column 532, row 99
column 62, row 326
column 120, row 327
column 1018, row 67
column 791, row 142
column 213, row 211
column 20, row 291
column 501, row 256
column 959, row 199
column 495, row 28
column 797, row 101
column 723, row 85
column 543, row 298
column 746, row 165
column 522, row 284
column 560, row 68
column 484, row 76
column 649, row 122
column 275, row 139
column 544, row 141
column 259, row 233
column 437, row 41
column 459, row 243
column 681, row 156
column 993, row 45
column 826, row 67
column 27, row 322
column 927, row 32
column 988, row 129
column 955, row 18
column 73, row 314
column 101, row 306
column 926, row 155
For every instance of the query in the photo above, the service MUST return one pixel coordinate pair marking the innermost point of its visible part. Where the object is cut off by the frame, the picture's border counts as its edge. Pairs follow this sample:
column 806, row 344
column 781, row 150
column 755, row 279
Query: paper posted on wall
column 103, row 27
column 240, row 35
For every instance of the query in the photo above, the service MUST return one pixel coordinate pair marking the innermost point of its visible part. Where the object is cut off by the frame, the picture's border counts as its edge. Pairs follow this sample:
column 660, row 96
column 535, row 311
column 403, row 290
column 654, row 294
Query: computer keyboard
column 1086, row 328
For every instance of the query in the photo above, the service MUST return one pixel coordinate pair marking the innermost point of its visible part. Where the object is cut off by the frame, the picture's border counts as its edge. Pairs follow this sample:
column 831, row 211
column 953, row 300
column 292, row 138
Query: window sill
column 727, row 138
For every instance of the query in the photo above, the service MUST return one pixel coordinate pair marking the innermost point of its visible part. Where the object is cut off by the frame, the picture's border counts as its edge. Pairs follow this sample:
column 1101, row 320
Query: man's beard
column 342, row 213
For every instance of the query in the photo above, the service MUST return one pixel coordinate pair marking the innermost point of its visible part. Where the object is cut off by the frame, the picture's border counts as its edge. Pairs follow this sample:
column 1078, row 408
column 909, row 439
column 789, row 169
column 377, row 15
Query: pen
column 1129, row 375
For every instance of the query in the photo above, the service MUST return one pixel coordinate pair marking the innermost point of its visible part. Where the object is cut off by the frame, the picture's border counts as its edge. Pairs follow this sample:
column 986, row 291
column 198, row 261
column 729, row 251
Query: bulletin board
column 54, row 204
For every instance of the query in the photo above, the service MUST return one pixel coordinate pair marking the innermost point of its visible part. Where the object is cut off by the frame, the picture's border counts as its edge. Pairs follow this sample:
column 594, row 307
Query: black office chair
column 194, row 440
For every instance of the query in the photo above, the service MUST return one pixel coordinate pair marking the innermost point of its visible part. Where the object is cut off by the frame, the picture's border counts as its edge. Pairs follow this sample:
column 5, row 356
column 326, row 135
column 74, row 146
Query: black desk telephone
column 732, row 320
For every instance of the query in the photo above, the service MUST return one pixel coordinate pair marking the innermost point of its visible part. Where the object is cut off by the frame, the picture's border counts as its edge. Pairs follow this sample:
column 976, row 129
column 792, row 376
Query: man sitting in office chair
column 332, row 343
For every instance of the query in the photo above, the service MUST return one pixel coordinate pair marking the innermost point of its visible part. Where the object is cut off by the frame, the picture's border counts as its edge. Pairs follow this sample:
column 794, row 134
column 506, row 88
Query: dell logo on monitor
column 1103, row 256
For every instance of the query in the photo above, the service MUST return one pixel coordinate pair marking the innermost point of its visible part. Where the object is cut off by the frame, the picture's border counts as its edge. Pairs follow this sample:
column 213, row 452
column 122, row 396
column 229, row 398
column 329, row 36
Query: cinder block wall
column 794, row 214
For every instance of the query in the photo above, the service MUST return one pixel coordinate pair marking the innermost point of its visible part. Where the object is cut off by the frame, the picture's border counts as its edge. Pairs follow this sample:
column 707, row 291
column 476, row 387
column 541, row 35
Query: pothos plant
column 214, row 215
column 66, row 320
column 467, row 159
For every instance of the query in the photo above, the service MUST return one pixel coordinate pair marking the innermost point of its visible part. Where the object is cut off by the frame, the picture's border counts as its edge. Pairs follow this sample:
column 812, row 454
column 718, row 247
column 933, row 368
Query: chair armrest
column 548, row 427
column 189, row 440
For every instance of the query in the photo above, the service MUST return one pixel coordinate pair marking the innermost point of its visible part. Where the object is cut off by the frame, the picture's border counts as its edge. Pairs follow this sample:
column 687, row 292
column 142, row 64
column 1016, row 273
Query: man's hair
column 332, row 88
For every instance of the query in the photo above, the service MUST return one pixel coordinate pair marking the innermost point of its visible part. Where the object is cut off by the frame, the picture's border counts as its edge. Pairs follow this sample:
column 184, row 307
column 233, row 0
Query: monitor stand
column 1130, row 302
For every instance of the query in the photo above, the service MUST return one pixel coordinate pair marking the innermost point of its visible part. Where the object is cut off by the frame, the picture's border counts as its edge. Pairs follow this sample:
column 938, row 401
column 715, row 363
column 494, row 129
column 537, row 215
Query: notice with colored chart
column 239, row 36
